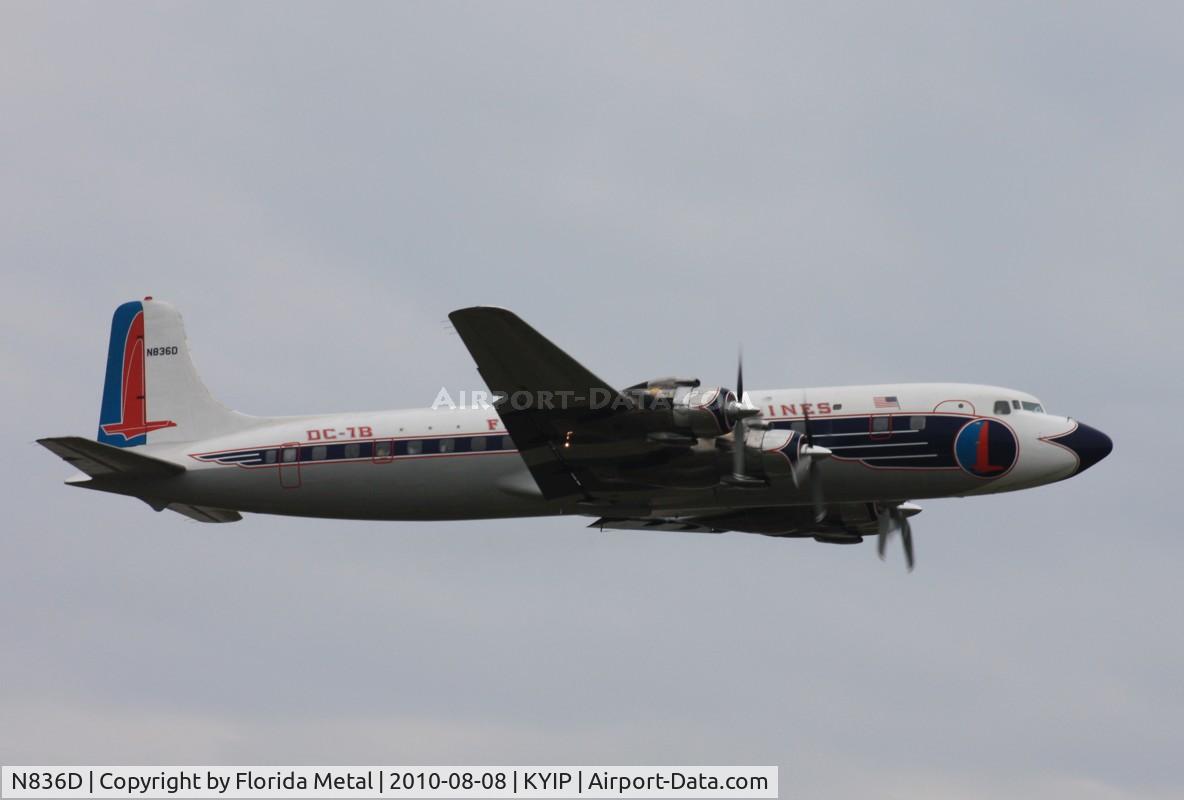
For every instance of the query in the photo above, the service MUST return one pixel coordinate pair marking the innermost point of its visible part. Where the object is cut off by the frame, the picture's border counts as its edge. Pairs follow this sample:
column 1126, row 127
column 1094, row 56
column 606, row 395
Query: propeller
column 888, row 521
column 739, row 412
column 813, row 455
column 739, row 429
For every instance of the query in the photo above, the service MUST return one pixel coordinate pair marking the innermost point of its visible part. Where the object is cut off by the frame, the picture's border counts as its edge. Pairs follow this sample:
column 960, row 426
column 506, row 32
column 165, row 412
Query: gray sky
column 859, row 193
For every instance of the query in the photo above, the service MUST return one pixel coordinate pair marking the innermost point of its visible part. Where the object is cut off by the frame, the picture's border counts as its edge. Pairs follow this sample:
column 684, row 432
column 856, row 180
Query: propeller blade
column 884, row 530
column 738, row 444
column 816, row 492
column 740, row 376
column 906, row 535
column 738, row 427
column 815, row 481
column 736, row 412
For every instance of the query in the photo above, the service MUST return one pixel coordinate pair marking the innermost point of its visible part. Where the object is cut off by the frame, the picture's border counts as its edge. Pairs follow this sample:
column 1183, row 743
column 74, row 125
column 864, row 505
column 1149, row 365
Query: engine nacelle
column 774, row 454
column 681, row 405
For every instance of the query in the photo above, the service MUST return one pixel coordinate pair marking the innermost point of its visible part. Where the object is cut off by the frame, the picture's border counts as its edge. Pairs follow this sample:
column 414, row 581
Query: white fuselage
column 889, row 443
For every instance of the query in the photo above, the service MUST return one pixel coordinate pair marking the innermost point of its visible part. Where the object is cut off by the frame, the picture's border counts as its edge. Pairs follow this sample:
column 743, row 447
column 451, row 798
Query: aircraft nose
column 1090, row 445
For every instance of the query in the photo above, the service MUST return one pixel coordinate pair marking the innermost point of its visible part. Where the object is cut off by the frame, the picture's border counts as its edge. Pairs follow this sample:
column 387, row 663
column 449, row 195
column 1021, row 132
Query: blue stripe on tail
column 111, row 411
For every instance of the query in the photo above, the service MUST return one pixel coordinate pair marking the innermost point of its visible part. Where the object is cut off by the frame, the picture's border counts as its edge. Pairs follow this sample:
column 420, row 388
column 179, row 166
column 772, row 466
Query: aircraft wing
column 512, row 356
column 548, row 401
column 100, row 460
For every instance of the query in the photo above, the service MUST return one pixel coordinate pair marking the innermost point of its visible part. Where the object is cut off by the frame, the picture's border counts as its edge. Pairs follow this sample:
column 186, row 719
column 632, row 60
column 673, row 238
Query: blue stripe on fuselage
column 905, row 444
column 364, row 450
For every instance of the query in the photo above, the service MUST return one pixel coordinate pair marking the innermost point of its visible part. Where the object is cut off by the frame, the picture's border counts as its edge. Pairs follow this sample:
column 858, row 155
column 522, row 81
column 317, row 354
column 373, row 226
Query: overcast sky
column 858, row 193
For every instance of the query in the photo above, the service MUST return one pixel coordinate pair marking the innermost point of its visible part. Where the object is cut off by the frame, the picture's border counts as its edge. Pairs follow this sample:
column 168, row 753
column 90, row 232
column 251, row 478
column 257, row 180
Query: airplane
column 836, row 464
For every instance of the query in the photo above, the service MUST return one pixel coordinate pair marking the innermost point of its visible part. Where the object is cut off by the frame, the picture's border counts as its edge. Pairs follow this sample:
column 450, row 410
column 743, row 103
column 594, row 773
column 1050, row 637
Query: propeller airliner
column 835, row 464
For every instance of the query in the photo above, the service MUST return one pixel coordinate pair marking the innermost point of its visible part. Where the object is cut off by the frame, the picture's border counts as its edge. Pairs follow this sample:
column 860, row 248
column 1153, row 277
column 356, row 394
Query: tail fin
column 152, row 392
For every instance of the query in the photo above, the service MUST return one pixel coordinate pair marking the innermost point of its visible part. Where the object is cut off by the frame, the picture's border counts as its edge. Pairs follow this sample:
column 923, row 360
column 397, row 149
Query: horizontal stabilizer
column 100, row 460
column 205, row 513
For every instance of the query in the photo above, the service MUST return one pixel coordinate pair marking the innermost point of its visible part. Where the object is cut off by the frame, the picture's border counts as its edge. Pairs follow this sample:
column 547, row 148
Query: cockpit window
column 1002, row 407
column 1039, row 409
column 1015, row 404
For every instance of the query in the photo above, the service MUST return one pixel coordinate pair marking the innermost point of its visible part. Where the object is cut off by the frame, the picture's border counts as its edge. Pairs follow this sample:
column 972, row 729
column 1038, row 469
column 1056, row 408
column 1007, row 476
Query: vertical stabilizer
column 152, row 392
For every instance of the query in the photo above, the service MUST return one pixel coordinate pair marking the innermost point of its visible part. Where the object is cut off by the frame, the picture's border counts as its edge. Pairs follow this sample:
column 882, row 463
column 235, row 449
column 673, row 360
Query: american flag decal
column 886, row 401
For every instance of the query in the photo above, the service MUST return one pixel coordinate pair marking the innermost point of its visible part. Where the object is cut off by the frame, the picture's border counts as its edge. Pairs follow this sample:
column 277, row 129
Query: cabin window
column 477, row 443
column 881, row 424
column 382, row 449
column 319, row 452
column 1002, row 407
column 353, row 450
column 507, row 443
column 269, row 456
column 917, row 423
column 289, row 455
column 414, row 447
column 798, row 425
column 447, row 445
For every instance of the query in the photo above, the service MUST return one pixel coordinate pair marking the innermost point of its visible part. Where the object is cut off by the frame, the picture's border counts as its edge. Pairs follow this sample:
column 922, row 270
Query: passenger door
column 289, row 461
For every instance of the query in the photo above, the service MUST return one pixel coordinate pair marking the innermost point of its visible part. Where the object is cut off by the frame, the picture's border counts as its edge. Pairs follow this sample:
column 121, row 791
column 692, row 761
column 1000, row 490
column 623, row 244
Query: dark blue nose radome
column 1090, row 445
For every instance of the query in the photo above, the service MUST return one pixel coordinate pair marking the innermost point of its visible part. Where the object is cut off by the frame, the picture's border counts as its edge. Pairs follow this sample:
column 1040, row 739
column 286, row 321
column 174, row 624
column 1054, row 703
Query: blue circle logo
column 985, row 448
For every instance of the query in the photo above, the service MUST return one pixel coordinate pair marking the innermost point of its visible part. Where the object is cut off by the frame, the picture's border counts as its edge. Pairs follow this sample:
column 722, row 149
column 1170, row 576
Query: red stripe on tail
column 134, row 417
